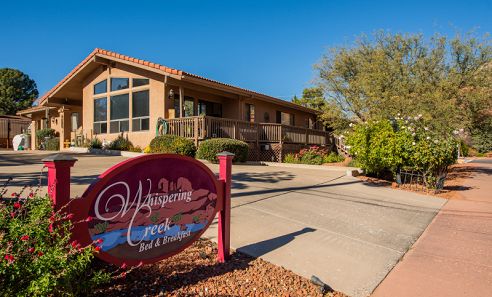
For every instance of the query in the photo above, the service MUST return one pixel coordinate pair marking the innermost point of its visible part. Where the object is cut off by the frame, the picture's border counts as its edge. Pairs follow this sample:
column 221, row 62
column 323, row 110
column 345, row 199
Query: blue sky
column 267, row 46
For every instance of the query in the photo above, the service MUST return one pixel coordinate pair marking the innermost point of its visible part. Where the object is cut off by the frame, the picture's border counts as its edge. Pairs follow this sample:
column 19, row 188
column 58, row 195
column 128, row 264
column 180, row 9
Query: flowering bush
column 38, row 257
column 314, row 155
column 390, row 145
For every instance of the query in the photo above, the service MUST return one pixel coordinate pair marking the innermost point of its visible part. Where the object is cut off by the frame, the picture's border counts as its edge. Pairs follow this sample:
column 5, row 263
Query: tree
column 17, row 91
column 311, row 97
column 448, row 82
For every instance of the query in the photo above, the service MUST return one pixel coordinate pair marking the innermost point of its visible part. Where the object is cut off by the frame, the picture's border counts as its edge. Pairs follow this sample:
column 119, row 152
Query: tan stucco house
column 108, row 94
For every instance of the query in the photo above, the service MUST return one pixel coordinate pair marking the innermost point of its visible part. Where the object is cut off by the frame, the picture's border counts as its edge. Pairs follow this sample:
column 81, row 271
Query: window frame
column 140, row 118
column 101, row 122
column 117, row 90
column 94, row 87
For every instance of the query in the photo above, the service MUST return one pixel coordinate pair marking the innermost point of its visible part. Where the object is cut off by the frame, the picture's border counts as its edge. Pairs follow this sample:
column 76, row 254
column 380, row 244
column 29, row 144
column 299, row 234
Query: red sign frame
column 81, row 207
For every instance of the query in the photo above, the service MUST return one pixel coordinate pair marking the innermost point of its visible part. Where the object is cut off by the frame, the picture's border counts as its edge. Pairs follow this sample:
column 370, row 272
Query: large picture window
column 119, row 113
column 140, row 111
column 138, row 82
column 119, row 83
column 101, row 87
column 100, row 115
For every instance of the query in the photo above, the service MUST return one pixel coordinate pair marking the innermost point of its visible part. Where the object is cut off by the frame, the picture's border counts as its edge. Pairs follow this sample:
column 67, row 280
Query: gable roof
column 166, row 70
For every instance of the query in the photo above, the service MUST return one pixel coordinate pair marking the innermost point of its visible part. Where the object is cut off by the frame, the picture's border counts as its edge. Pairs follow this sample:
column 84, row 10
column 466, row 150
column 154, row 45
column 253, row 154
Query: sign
column 148, row 208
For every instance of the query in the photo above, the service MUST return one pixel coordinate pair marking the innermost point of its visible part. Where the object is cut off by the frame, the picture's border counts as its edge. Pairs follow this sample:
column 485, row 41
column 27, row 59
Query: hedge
column 209, row 149
column 120, row 144
column 52, row 144
column 172, row 144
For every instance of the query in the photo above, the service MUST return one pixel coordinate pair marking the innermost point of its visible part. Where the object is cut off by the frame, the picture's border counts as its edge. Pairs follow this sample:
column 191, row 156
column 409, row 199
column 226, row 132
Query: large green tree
column 447, row 81
column 312, row 98
column 17, row 91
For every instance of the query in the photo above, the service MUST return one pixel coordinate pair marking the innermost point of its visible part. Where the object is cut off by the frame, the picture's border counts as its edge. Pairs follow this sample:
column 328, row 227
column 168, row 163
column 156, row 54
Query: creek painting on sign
column 154, row 209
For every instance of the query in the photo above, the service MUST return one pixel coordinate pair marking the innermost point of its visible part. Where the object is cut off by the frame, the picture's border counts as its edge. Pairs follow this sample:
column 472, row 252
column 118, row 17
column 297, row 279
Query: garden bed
column 195, row 272
column 453, row 185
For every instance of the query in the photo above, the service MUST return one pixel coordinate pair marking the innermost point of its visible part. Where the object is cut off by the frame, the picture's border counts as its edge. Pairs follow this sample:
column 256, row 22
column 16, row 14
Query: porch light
column 171, row 94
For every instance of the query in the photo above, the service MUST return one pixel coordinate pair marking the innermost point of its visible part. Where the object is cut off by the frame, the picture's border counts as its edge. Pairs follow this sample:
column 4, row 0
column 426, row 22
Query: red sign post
column 148, row 208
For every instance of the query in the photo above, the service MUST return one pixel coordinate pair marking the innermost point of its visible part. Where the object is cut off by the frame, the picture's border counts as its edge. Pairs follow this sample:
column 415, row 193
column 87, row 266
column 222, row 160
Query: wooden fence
column 9, row 127
column 205, row 127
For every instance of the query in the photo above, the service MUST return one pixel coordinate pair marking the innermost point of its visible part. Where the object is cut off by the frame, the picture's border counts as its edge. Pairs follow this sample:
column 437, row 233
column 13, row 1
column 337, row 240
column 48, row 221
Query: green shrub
column 121, row 143
column 46, row 132
column 313, row 155
column 209, row 149
column 482, row 139
column 95, row 143
column 172, row 144
column 387, row 146
column 311, row 158
column 38, row 257
column 464, row 149
column 291, row 158
column 136, row 149
column 333, row 158
column 52, row 144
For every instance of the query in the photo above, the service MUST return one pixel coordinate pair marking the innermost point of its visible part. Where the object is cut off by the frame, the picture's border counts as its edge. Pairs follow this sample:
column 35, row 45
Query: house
column 108, row 94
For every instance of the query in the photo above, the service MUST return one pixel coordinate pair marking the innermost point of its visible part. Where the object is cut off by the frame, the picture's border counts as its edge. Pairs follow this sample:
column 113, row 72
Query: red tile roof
column 113, row 55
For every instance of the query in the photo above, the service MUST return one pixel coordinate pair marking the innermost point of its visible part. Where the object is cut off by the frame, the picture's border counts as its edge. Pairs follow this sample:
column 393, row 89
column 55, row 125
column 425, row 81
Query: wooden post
column 307, row 136
column 33, row 135
column 224, row 223
column 195, row 130
column 181, row 101
column 8, row 133
column 59, row 178
column 281, row 142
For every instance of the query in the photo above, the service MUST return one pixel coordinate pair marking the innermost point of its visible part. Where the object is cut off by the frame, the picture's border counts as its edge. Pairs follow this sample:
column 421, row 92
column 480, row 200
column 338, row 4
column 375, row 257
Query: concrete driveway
column 313, row 222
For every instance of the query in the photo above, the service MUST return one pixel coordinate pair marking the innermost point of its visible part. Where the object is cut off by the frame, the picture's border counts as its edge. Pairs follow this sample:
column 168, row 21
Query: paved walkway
column 454, row 255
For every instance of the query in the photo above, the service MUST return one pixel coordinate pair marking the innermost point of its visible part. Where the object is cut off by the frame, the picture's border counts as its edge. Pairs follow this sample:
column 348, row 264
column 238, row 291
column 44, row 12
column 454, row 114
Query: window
column 266, row 117
column 140, row 111
column 100, row 115
column 250, row 113
column 119, row 114
column 285, row 118
column 119, row 83
column 209, row 108
column 138, row 82
column 74, row 120
column 101, row 87
column 189, row 106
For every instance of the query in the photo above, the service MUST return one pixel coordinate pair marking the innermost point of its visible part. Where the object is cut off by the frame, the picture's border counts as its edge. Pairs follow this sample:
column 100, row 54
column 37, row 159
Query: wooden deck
column 268, row 141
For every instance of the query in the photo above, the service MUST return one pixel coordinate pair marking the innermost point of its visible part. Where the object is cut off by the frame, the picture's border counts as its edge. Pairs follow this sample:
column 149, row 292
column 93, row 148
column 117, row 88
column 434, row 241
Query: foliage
column 314, row 155
column 389, row 145
column 171, row 144
column 333, row 158
column 38, row 257
column 448, row 81
column 52, row 144
column 17, row 91
column 121, row 143
column 41, row 134
column 95, row 143
column 482, row 138
column 135, row 149
column 147, row 149
column 311, row 98
column 209, row 149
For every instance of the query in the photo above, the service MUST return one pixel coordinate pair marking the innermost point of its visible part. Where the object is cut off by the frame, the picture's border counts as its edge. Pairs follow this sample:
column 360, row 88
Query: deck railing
column 204, row 127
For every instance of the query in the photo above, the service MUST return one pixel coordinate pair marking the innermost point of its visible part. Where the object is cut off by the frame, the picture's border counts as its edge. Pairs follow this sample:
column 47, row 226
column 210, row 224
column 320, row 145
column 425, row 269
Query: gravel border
column 195, row 272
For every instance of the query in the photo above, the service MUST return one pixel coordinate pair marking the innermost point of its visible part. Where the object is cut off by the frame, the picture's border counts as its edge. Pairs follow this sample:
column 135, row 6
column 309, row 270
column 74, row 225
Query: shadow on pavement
column 239, row 179
column 263, row 247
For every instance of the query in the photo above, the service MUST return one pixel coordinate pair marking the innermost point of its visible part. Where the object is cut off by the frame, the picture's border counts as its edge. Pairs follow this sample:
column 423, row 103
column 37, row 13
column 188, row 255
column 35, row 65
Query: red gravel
column 195, row 272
